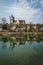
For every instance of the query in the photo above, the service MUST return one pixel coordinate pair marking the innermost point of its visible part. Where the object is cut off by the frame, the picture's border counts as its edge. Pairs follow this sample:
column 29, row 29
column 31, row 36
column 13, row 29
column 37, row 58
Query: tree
column 5, row 26
column 3, row 20
column 4, row 23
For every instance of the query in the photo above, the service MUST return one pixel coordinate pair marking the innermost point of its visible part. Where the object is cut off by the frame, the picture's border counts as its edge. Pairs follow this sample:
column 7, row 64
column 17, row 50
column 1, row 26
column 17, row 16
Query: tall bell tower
column 11, row 19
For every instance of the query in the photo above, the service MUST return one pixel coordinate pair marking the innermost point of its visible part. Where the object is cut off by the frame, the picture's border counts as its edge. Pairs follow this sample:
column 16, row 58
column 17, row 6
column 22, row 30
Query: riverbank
column 11, row 33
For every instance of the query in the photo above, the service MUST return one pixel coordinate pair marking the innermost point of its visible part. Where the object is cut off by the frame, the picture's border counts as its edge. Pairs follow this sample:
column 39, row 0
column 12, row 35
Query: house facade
column 1, row 27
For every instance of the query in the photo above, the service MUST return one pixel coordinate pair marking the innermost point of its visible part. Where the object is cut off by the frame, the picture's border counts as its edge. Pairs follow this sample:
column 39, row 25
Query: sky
column 28, row 10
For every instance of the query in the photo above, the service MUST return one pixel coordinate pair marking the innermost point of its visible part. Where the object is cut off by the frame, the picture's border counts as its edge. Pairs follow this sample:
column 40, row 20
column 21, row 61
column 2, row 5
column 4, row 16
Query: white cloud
column 41, row 2
column 34, row 1
column 21, row 13
column 23, row 10
column 38, row 18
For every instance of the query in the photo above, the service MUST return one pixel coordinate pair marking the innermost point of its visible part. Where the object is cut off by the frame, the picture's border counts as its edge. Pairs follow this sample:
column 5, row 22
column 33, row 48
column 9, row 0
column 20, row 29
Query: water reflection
column 21, row 50
column 20, row 39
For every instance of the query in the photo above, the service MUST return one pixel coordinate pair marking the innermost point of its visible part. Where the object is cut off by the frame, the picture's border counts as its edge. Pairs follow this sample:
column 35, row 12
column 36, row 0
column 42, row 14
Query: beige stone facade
column 21, row 26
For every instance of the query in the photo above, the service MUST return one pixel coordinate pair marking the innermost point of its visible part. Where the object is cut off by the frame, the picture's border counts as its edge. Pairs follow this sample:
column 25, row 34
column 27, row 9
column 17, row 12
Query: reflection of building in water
column 11, row 45
column 22, row 42
column 34, row 37
column 18, row 42
column 28, row 37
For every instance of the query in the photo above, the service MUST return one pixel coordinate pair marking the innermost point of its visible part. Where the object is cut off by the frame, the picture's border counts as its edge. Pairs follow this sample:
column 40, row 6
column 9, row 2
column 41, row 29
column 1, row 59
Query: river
column 21, row 50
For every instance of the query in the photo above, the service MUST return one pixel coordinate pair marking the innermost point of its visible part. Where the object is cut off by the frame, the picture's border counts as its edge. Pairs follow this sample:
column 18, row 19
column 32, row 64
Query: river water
column 21, row 50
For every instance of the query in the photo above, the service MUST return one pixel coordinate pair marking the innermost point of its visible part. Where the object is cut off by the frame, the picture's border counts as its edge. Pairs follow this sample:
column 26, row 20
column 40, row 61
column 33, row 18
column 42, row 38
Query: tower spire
column 11, row 19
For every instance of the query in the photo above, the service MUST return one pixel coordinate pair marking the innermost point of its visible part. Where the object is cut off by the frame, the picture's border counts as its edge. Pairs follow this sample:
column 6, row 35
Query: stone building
column 20, row 26
column 1, row 27
column 34, row 27
column 13, row 21
column 14, row 24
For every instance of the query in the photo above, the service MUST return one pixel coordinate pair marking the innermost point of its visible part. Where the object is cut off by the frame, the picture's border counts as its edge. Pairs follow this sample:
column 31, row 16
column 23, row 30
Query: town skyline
column 8, row 21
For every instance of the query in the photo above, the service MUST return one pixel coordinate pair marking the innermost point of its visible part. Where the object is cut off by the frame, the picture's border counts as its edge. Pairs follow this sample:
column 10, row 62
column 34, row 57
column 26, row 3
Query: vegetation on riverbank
column 21, row 33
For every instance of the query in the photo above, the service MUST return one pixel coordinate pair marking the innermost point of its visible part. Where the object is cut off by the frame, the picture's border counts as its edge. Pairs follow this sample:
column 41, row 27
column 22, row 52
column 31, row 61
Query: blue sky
column 29, row 10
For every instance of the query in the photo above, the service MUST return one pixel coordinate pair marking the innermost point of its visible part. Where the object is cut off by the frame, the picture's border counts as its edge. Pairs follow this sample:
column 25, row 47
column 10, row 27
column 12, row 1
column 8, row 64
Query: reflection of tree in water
column 21, row 37
column 4, row 42
column 38, row 38
column 4, row 39
column 24, row 38
column 30, row 37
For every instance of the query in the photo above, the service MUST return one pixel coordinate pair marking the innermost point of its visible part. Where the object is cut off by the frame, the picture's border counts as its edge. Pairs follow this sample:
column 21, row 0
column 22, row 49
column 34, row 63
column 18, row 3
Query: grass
column 21, row 32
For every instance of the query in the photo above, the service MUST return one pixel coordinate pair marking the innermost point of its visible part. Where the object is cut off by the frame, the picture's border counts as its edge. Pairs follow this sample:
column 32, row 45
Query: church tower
column 11, row 19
